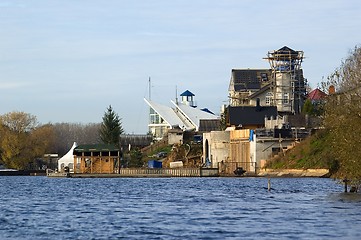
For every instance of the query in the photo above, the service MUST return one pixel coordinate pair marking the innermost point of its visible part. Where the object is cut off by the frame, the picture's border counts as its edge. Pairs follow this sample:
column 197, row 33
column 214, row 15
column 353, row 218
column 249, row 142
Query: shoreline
column 270, row 173
column 266, row 173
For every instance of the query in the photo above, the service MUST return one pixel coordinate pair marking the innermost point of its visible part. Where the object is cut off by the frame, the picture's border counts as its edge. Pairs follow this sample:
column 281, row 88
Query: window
column 264, row 77
column 269, row 98
column 286, row 97
column 154, row 117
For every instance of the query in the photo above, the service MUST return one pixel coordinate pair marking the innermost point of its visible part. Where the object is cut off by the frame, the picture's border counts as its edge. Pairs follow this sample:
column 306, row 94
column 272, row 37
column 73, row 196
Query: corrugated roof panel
column 195, row 114
column 169, row 115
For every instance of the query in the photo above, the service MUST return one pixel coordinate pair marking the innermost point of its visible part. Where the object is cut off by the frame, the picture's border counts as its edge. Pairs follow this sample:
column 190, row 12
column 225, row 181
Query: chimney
column 331, row 90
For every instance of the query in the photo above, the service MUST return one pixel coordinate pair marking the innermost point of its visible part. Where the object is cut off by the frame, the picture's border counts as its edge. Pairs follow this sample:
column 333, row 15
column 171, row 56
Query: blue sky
column 68, row 60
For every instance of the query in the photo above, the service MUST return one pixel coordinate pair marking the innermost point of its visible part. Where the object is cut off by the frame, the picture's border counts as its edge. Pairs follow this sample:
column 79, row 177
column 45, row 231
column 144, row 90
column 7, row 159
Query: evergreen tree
column 308, row 108
column 111, row 127
column 224, row 119
column 136, row 158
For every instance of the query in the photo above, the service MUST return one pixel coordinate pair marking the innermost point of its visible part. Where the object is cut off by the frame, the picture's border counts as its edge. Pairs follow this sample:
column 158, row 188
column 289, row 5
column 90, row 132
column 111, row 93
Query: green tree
column 224, row 119
column 342, row 117
column 136, row 158
column 111, row 127
column 308, row 107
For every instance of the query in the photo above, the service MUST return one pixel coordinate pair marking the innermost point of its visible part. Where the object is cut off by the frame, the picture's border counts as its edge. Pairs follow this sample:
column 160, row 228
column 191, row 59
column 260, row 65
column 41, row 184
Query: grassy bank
column 312, row 152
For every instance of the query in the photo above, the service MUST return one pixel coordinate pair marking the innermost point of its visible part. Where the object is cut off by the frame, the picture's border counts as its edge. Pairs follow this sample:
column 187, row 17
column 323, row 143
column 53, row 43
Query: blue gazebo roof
column 187, row 94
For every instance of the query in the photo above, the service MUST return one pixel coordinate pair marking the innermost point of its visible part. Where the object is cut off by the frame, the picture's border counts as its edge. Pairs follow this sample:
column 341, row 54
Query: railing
column 52, row 173
column 228, row 168
column 169, row 172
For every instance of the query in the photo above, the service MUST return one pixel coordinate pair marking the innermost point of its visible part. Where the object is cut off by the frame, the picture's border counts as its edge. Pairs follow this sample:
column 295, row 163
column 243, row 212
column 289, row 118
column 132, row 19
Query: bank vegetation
column 338, row 145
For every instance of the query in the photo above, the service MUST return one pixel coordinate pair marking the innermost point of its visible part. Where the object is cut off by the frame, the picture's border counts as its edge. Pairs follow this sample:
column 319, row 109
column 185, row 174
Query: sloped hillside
column 189, row 154
column 310, row 153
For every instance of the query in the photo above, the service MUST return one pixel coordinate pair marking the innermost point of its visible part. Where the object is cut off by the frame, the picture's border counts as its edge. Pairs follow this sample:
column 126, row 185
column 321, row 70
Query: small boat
column 239, row 171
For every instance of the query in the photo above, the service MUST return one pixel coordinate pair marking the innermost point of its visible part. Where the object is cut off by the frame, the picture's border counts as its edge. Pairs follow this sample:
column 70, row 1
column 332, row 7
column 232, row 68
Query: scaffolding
column 288, row 85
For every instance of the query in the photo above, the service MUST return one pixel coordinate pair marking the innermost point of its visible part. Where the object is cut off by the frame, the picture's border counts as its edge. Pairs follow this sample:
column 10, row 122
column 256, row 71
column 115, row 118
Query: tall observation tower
column 288, row 84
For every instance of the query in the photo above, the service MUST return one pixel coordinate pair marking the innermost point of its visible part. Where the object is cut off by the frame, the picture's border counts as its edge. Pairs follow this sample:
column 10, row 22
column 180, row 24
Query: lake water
column 177, row 208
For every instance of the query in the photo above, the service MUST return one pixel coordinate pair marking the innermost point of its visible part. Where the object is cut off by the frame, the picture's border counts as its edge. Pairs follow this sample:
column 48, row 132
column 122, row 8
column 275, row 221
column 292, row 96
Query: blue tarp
column 154, row 164
column 251, row 132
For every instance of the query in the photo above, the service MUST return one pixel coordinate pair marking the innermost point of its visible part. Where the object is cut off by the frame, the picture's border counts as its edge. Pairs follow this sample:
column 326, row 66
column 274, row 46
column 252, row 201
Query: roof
column 169, row 115
column 316, row 94
column 207, row 110
column 285, row 54
column 250, row 115
column 187, row 93
column 194, row 115
column 209, row 125
column 286, row 50
column 262, row 90
column 245, row 79
column 184, row 116
column 96, row 148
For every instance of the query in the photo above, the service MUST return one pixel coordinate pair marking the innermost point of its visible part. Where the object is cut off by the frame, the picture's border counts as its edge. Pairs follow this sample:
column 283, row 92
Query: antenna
column 150, row 86
column 176, row 95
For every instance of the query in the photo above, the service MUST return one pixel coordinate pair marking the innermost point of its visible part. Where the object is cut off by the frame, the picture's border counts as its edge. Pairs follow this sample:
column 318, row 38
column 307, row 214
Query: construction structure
column 283, row 85
column 288, row 85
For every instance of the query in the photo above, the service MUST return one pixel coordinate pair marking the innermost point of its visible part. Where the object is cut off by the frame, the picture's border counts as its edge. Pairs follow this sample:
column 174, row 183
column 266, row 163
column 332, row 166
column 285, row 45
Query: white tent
column 67, row 160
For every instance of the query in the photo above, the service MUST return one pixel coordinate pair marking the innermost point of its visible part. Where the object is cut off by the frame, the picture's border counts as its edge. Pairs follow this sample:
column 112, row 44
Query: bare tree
column 68, row 133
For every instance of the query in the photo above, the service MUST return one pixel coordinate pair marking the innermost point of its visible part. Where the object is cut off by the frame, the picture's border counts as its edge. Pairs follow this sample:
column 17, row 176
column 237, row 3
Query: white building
column 183, row 115
column 67, row 160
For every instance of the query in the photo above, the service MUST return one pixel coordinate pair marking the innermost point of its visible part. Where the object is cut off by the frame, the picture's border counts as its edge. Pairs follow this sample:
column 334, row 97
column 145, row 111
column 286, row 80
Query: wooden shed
column 96, row 158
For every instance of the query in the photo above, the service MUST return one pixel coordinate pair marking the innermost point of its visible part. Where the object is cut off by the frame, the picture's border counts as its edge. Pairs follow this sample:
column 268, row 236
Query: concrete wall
column 283, row 86
column 294, row 172
column 175, row 138
column 271, row 122
column 215, row 147
column 231, row 149
column 262, row 98
column 264, row 147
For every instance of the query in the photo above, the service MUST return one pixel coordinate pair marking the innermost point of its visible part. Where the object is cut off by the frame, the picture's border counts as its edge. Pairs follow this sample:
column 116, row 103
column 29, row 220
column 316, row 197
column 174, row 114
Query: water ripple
column 176, row 208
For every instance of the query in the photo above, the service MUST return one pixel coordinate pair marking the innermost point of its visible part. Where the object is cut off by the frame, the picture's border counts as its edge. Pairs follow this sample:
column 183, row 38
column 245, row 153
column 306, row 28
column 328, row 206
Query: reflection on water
column 177, row 208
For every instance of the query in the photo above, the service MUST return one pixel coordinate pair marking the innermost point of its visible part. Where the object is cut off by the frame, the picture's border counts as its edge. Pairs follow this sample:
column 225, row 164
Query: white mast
column 176, row 95
column 150, row 86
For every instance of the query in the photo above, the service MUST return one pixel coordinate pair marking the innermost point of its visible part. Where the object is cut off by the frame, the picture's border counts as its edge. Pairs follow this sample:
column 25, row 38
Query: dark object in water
column 239, row 171
column 11, row 172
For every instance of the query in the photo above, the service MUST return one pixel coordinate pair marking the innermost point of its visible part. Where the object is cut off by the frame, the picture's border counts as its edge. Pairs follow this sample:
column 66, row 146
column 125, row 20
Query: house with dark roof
column 283, row 85
column 250, row 117
column 245, row 82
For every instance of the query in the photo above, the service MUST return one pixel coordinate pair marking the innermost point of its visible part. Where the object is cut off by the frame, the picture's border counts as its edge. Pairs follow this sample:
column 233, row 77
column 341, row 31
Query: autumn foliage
column 22, row 139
